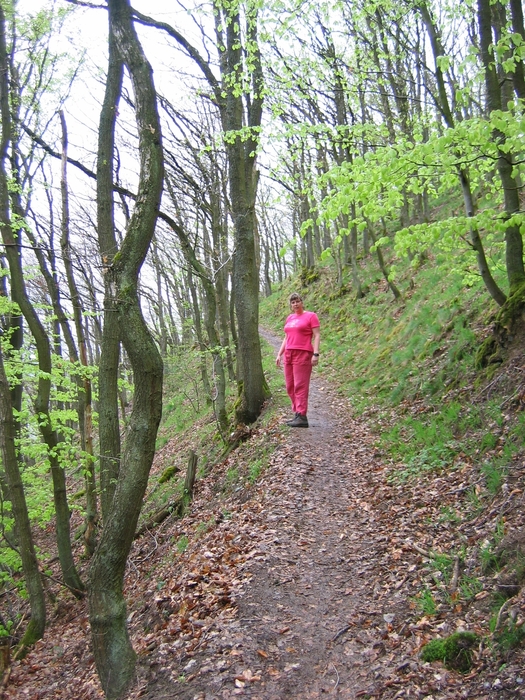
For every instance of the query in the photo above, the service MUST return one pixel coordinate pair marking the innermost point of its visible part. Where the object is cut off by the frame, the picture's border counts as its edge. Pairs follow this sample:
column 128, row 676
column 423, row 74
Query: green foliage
column 232, row 477
column 6, row 628
column 10, row 562
column 509, row 637
column 494, row 474
column 203, row 528
column 423, row 444
column 255, row 468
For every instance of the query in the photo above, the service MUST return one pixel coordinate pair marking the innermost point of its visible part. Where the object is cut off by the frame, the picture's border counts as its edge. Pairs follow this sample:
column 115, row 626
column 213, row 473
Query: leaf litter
column 323, row 578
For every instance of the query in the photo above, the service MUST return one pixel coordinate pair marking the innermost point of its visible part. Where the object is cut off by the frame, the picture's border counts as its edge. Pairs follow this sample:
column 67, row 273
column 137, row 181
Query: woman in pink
column 300, row 349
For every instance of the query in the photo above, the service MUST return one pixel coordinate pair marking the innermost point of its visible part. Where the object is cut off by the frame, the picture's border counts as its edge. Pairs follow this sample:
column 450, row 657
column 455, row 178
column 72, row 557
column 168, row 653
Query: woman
column 300, row 348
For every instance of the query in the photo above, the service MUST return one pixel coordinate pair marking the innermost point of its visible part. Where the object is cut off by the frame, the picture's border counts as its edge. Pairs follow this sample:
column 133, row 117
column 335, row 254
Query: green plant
column 489, row 561
column 470, row 586
column 443, row 564
column 426, row 603
column 5, row 629
column 494, row 476
column 232, row 476
column 203, row 528
column 182, row 544
column 449, row 515
column 255, row 469
column 509, row 637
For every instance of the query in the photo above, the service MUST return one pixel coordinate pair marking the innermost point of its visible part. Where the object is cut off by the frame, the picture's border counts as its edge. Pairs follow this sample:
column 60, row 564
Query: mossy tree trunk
column 511, row 318
column 240, row 109
column 109, row 428
column 239, row 98
column 114, row 655
column 442, row 100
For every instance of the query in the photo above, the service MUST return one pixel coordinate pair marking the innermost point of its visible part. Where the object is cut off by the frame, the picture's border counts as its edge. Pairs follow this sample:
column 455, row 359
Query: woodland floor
column 302, row 585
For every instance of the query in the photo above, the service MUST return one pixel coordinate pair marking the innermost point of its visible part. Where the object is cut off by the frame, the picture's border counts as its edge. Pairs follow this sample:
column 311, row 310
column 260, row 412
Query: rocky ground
column 323, row 578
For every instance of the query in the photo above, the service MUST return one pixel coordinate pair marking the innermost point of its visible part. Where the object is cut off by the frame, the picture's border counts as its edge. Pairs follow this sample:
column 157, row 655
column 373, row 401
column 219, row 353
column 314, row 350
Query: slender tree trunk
column 443, row 104
column 243, row 186
column 37, row 623
column 109, row 428
column 84, row 394
column 513, row 238
column 382, row 265
column 114, row 654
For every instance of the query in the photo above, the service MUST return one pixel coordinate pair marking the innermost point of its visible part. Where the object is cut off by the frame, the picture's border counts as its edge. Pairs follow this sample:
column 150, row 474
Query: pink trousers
column 297, row 373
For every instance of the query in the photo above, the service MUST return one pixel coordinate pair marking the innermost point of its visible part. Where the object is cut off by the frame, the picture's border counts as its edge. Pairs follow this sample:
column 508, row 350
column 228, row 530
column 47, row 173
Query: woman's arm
column 281, row 350
column 316, row 340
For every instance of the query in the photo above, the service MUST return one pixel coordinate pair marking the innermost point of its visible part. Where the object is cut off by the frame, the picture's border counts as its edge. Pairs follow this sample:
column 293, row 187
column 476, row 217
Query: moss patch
column 454, row 651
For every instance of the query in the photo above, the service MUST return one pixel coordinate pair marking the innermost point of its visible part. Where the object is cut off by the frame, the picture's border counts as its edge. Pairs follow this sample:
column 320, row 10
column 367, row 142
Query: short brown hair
column 294, row 296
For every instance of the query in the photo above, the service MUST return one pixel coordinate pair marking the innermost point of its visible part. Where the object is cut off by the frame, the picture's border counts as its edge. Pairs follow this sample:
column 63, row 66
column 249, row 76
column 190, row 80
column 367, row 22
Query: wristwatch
column 316, row 354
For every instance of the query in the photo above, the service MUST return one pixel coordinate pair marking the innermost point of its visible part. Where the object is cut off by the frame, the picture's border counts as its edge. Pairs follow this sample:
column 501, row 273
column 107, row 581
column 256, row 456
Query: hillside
column 322, row 563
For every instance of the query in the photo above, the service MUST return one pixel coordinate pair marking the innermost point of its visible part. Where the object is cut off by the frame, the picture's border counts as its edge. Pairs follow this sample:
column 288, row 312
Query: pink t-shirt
column 298, row 329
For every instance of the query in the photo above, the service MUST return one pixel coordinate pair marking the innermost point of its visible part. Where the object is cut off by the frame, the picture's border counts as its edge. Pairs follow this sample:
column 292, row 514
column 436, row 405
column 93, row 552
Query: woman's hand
column 315, row 360
column 278, row 360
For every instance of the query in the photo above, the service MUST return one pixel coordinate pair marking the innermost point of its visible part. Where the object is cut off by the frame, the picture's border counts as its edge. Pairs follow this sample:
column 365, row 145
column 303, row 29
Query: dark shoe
column 289, row 422
column 299, row 421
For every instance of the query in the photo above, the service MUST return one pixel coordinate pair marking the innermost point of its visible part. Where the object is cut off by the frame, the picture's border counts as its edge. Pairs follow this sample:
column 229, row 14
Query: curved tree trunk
column 114, row 655
column 513, row 237
column 444, row 106
column 511, row 318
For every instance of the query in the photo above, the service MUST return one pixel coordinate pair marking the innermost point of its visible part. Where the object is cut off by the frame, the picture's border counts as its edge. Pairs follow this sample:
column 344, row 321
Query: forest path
column 316, row 587
column 325, row 602
column 307, row 582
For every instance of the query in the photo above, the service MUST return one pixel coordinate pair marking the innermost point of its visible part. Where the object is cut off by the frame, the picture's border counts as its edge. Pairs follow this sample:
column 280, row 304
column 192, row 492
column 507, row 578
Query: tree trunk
column 84, row 394
column 37, row 624
column 513, row 238
column 109, row 429
column 114, row 655
column 443, row 104
column 241, row 156
column 511, row 317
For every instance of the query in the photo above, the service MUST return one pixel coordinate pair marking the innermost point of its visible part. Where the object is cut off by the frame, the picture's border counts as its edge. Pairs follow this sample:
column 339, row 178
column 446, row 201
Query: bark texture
column 114, row 654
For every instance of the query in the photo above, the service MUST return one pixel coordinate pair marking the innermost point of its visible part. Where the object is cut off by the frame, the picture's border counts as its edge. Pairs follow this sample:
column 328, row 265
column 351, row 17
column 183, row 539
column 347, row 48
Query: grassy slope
column 409, row 366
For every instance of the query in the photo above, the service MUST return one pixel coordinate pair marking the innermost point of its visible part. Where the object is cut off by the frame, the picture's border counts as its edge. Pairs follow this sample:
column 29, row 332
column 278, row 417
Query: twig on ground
column 455, row 576
column 342, row 631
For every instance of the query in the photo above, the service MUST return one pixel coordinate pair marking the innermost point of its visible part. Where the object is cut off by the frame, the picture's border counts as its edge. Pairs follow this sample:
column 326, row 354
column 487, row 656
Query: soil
column 308, row 583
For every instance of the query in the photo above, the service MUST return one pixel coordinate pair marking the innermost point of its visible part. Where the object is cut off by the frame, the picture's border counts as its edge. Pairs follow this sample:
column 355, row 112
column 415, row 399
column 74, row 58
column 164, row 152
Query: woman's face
column 297, row 306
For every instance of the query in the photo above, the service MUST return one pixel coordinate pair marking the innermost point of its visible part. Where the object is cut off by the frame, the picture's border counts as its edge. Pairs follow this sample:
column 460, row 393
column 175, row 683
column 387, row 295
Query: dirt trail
column 303, row 585
column 317, row 582
column 308, row 622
